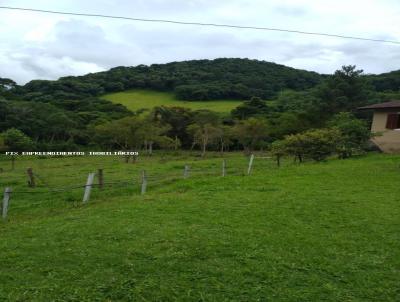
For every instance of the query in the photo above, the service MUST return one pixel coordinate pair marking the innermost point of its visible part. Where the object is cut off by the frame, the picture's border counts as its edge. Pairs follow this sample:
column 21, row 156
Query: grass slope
column 139, row 99
column 312, row 232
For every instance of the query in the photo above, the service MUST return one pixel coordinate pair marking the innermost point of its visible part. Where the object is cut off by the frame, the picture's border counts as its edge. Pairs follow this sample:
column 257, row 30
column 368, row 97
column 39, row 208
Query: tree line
column 47, row 119
column 189, row 80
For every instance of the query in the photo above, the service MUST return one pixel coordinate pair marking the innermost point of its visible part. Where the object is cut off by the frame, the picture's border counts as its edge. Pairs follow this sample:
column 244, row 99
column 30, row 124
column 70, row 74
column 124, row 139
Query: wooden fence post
column 6, row 200
column 278, row 160
column 223, row 168
column 31, row 181
column 88, row 187
column 250, row 164
column 144, row 183
column 186, row 172
column 100, row 178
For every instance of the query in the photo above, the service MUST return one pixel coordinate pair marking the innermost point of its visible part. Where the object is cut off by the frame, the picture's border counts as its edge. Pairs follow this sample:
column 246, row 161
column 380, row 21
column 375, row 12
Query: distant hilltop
column 224, row 78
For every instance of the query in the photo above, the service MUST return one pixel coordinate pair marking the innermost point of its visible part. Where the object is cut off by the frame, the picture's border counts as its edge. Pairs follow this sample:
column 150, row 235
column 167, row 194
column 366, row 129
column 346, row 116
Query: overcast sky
column 35, row 45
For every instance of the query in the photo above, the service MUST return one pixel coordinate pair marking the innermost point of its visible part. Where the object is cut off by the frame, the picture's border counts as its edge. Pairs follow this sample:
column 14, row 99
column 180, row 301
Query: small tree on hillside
column 205, row 129
column 16, row 141
column 253, row 107
column 6, row 85
column 178, row 119
column 293, row 145
column 346, row 90
column 278, row 149
column 225, row 137
column 124, row 133
column 153, row 132
column 251, row 133
column 203, row 135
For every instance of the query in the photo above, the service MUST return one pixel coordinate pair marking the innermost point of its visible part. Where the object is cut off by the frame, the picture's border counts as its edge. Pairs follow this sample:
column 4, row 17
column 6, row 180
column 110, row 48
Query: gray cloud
column 49, row 46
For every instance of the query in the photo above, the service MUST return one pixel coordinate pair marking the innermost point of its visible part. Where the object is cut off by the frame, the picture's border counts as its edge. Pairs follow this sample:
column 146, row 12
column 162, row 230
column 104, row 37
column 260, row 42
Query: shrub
column 278, row 149
column 354, row 134
column 316, row 144
column 15, row 140
column 320, row 143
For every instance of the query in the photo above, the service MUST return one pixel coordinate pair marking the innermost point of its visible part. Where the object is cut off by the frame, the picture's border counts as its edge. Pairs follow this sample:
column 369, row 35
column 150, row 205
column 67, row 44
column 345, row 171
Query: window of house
column 393, row 121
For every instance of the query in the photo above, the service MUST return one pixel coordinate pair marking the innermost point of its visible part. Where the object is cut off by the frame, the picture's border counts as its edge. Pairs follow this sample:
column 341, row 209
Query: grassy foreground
column 146, row 99
column 312, row 232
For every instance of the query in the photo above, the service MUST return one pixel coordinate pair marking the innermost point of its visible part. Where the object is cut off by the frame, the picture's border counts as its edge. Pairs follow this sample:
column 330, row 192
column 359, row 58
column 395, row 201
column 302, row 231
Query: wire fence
column 38, row 185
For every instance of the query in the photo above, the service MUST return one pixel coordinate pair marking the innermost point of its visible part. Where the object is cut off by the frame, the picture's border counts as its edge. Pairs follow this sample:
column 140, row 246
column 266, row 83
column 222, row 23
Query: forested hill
column 225, row 78
column 190, row 80
column 389, row 82
column 68, row 114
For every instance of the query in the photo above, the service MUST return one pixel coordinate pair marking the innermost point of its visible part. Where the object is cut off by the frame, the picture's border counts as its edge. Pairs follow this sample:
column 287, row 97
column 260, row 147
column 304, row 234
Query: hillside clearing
column 310, row 232
column 147, row 99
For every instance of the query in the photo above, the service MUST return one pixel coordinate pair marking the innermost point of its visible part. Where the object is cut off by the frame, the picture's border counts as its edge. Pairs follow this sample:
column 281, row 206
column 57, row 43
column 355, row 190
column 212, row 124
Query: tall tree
column 205, row 129
column 203, row 135
column 126, row 133
column 251, row 133
column 253, row 107
column 344, row 91
column 153, row 132
column 178, row 119
column 15, row 140
column 225, row 136
column 6, row 85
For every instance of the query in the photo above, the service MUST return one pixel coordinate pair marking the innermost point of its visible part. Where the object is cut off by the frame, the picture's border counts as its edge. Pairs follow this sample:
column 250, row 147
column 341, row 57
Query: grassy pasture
column 311, row 232
column 147, row 99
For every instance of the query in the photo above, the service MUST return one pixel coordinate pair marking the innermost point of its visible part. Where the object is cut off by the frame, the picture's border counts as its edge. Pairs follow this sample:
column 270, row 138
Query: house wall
column 389, row 140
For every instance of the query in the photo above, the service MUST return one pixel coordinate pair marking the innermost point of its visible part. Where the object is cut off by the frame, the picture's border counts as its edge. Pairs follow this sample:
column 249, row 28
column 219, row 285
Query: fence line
column 88, row 187
column 250, row 164
column 6, row 200
column 143, row 181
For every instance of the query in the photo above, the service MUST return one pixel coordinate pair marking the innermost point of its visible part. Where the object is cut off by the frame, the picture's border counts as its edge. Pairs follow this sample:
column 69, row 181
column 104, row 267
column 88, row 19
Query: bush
column 354, row 134
column 278, row 149
column 316, row 144
column 15, row 140
column 320, row 143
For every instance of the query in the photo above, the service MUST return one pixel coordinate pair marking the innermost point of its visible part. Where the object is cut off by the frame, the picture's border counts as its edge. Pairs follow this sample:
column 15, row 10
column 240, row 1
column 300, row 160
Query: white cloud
column 46, row 46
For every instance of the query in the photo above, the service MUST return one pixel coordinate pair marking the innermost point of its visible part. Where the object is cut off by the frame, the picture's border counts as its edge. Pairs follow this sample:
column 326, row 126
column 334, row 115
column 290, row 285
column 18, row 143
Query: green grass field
column 139, row 99
column 312, row 232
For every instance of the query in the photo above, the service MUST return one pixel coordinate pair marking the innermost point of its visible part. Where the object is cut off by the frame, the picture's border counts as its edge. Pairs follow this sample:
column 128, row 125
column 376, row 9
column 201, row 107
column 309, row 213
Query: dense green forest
column 67, row 114
column 195, row 80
